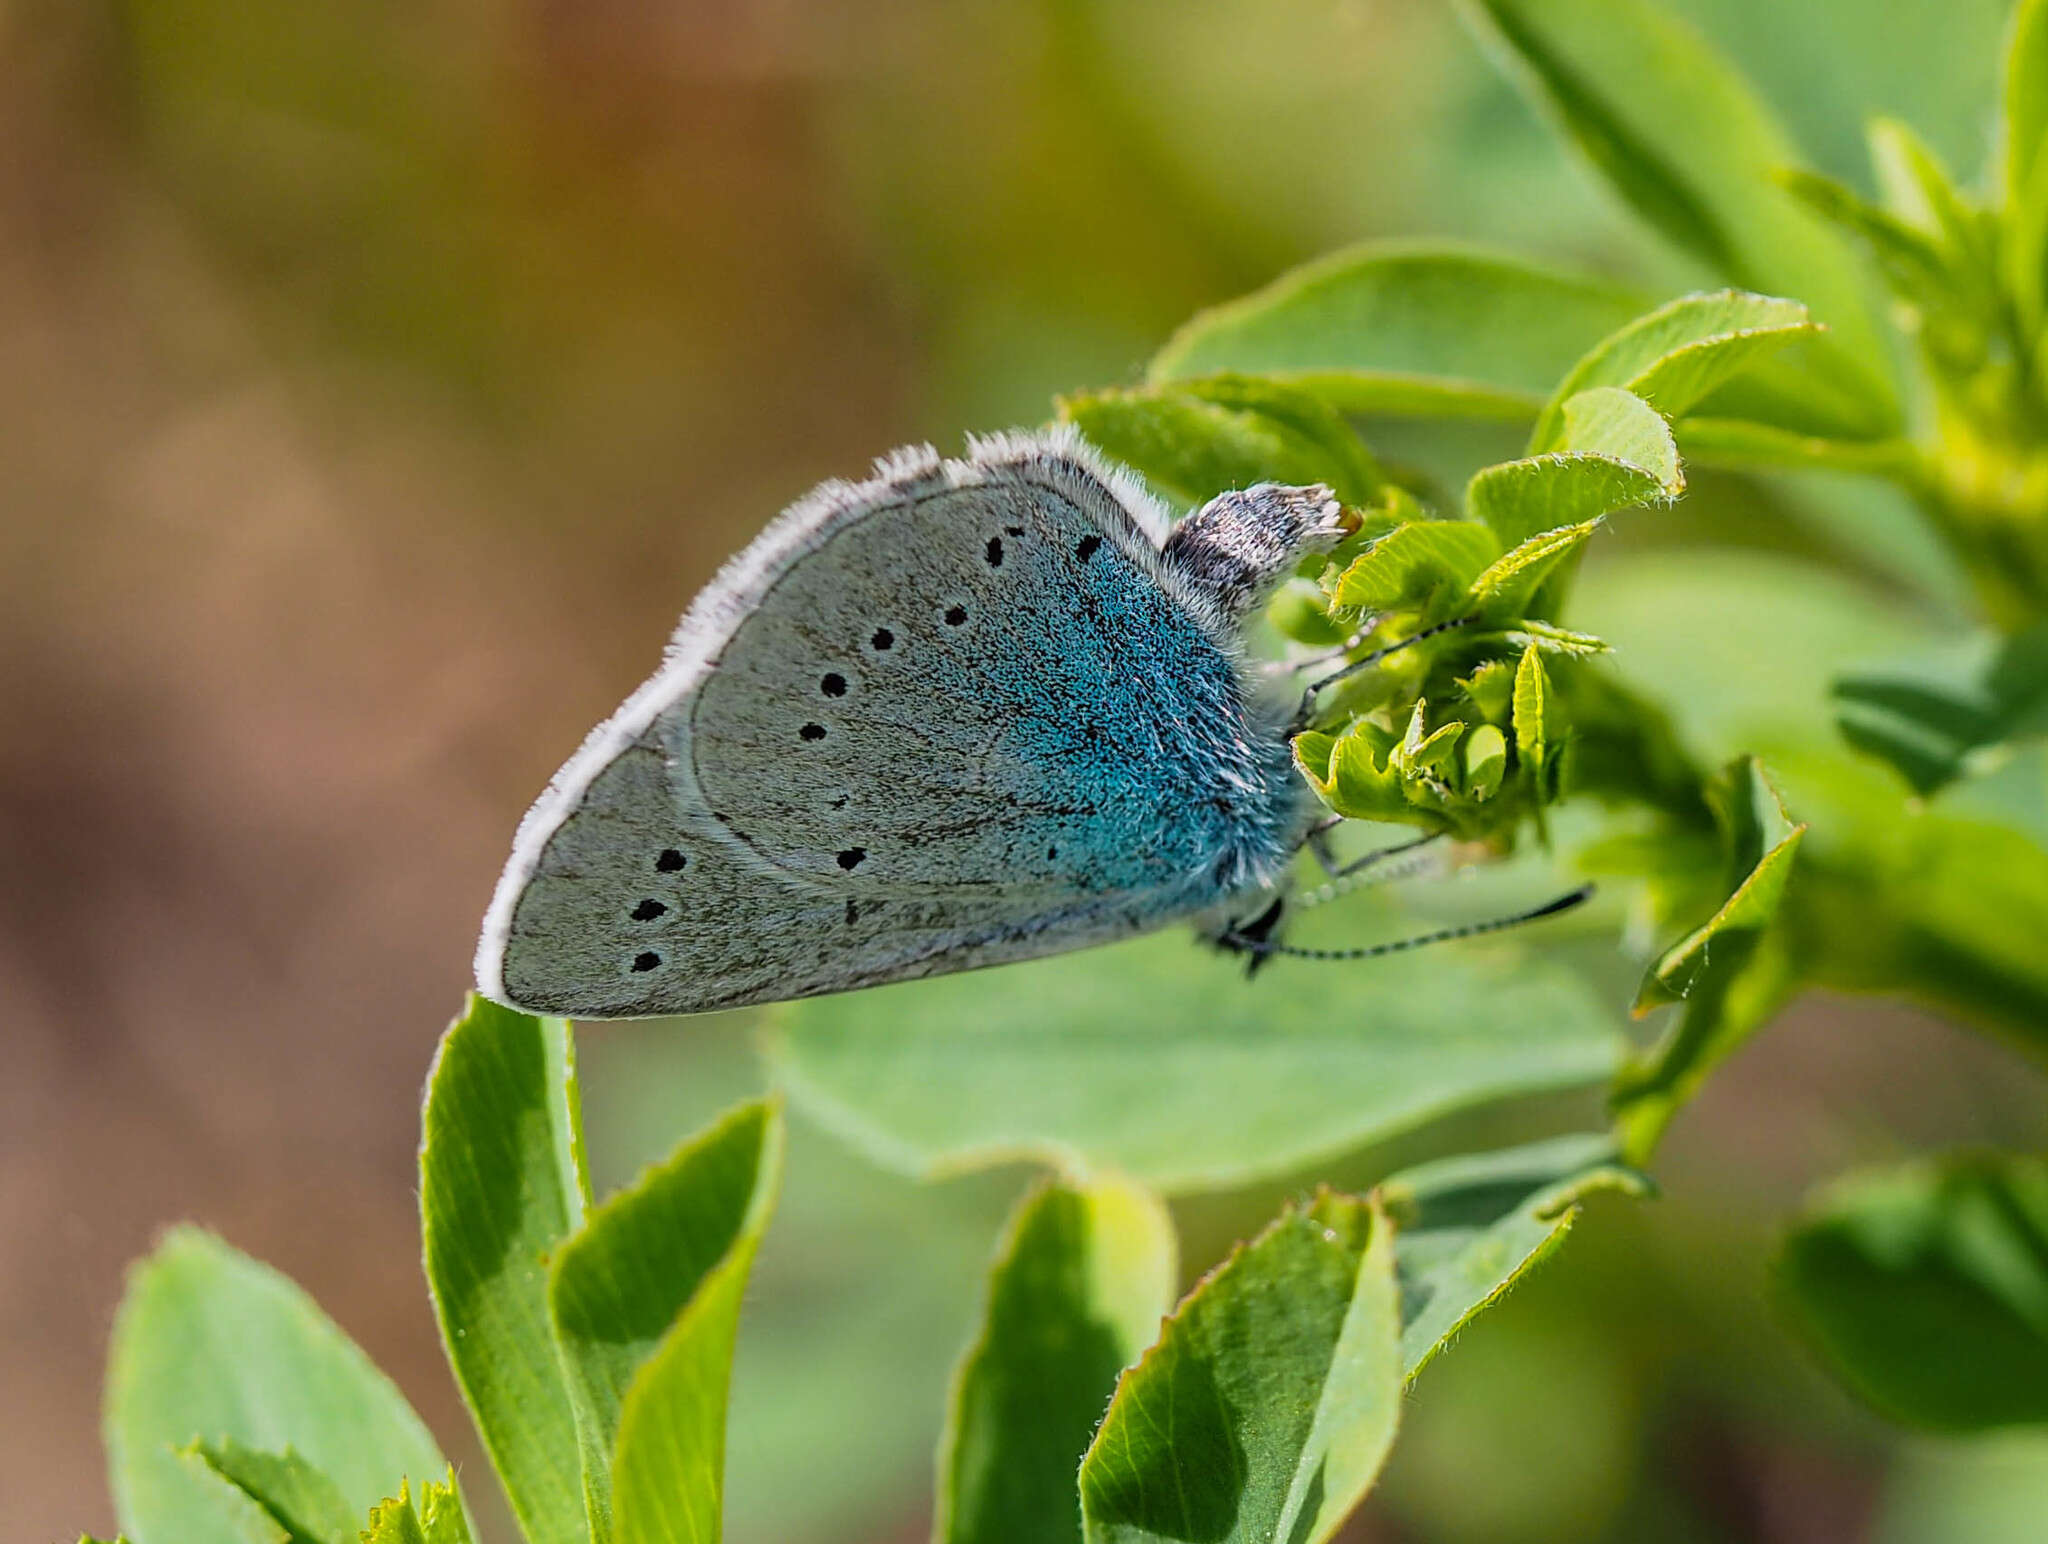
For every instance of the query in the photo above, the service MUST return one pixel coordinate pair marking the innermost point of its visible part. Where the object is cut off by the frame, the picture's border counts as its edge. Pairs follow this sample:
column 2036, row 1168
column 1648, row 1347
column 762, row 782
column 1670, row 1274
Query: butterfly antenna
column 1367, row 661
column 1252, row 942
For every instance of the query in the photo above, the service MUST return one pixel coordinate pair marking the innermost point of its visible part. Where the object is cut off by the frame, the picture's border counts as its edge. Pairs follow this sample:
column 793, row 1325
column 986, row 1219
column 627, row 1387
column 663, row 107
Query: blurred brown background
column 377, row 381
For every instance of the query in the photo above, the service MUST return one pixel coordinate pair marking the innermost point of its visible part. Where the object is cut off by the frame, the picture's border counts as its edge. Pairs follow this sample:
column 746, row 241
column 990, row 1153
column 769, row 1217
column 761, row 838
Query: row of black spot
column 833, row 684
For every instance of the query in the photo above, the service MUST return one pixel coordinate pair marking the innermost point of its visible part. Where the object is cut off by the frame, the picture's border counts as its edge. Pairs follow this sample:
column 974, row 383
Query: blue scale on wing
column 1039, row 716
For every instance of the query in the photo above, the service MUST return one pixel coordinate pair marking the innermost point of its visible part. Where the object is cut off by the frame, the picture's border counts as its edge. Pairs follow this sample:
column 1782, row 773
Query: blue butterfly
column 962, row 713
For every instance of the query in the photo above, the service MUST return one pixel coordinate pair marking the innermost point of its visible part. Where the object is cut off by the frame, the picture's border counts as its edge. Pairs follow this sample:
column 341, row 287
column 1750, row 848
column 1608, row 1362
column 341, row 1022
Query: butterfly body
column 963, row 713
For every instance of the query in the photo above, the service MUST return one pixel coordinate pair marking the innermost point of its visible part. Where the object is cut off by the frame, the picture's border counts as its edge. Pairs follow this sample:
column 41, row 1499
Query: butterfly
column 961, row 713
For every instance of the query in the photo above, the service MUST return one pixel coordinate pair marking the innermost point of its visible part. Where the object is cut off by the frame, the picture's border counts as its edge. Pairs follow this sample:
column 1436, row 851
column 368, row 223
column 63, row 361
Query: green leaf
column 1763, row 841
column 1682, row 138
column 1417, row 562
column 501, row 1186
column 1393, row 329
column 1082, row 1279
column 1918, row 190
column 1532, row 705
column 304, row 1502
column 437, row 1517
column 1733, row 970
column 2026, row 100
column 1512, row 580
column 210, row 1344
column 1932, row 714
column 645, row 1302
column 1269, row 1403
column 1926, row 1289
column 1552, row 639
column 1160, row 1059
column 1194, row 440
column 1740, row 445
column 1486, row 761
column 1675, row 356
column 1470, row 1226
column 1914, row 267
column 1614, row 450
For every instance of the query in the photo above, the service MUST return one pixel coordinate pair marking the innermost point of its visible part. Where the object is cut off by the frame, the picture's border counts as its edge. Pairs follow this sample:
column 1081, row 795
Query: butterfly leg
column 1252, row 939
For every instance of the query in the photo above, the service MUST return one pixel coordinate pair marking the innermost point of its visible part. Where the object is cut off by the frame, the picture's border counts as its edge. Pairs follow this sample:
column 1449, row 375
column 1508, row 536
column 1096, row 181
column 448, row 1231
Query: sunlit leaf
column 501, row 1186
column 1418, row 561
column 1269, row 1403
column 1677, row 355
column 1532, row 703
column 1160, row 1059
column 1926, row 1288
column 1395, row 329
column 1470, row 1226
column 645, row 1300
column 212, row 1345
column 1512, row 580
column 1084, row 1274
column 1932, row 714
column 1613, row 450
column 436, row 1518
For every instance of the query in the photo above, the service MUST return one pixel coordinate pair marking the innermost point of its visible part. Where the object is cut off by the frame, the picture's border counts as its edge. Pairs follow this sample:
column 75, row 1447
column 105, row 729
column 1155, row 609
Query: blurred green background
column 378, row 381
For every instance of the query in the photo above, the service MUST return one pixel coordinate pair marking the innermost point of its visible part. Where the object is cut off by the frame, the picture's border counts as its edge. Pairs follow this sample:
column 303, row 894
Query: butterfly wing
column 955, row 715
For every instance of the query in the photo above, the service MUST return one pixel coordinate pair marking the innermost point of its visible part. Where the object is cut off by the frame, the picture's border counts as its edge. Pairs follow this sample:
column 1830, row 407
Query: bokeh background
column 377, row 382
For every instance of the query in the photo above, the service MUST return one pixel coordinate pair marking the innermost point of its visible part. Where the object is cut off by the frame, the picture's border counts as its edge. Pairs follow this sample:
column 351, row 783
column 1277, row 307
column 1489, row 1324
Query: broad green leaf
column 1393, row 329
column 1415, row 563
column 645, row 1300
column 1682, row 138
column 1524, row 500
column 436, row 1518
column 1675, row 356
column 305, row 1503
column 501, row 1185
column 1933, row 714
column 1195, row 439
column 1614, row 451
column 1084, row 1275
column 1160, row 1059
column 1732, row 971
column 1926, row 1289
column 1512, row 580
column 1470, row 1226
column 1268, row 1405
column 211, row 1345
column 2026, row 100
